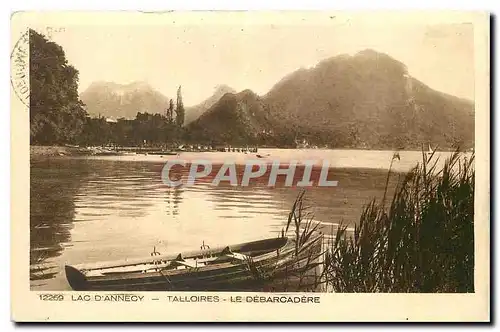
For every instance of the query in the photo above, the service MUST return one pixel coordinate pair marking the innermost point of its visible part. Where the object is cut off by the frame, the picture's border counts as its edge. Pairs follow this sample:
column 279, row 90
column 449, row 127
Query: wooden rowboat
column 237, row 267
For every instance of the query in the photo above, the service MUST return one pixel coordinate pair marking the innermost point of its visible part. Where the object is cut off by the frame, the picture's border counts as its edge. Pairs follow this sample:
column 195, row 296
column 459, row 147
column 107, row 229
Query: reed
column 299, row 274
column 422, row 242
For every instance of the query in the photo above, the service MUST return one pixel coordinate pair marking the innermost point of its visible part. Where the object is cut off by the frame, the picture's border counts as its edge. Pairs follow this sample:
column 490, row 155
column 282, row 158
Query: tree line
column 145, row 130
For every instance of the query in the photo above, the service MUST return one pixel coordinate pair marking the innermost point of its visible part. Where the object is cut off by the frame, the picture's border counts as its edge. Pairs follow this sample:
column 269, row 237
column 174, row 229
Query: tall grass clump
column 421, row 241
column 300, row 272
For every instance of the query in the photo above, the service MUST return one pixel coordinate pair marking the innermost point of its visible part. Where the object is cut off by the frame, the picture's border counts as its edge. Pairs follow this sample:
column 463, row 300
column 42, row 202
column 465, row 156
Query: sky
column 253, row 56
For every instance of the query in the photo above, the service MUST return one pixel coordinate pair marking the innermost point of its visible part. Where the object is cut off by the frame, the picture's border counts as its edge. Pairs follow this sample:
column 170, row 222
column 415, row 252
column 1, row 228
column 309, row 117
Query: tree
column 96, row 132
column 170, row 112
column 57, row 115
column 180, row 112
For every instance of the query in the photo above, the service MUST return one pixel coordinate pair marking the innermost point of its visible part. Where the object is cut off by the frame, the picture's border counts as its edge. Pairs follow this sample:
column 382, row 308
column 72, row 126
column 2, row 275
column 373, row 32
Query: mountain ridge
column 113, row 100
column 367, row 100
column 195, row 111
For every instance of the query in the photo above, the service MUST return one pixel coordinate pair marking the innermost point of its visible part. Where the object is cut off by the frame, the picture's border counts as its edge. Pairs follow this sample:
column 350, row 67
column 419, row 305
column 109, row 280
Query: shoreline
column 56, row 151
column 71, row 151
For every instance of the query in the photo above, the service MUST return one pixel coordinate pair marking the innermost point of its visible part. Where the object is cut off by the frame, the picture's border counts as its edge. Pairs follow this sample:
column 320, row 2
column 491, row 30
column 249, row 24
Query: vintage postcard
column 250, row 166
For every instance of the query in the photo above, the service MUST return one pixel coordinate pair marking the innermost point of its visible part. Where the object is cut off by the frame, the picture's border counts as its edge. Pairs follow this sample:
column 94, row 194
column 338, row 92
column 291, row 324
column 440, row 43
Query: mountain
column 194, row 112
column 114, row 100
column 367, row 100
column 370, row 101
column 237, row 118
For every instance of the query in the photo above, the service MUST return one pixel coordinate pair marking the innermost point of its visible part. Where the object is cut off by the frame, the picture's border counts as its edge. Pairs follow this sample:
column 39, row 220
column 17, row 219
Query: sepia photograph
column 245, row 152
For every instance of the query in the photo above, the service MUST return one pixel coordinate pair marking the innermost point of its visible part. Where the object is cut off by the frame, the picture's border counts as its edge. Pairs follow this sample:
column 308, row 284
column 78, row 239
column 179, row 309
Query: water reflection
column 172, row 199
column 87, row 210
column 52, row 210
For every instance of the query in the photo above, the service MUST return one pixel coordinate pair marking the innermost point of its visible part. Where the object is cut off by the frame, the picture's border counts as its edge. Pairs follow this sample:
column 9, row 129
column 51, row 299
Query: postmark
column 19, row 60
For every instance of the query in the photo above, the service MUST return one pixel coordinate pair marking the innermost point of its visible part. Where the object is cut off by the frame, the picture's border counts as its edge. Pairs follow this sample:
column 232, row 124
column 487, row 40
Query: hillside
column 363, row 101
column 369, row 101
column 113, row 100
column 194, row 112
column 240, row 118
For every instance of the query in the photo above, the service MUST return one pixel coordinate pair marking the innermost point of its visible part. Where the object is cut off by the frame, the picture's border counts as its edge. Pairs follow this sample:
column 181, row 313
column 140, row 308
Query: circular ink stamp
column 19, row 76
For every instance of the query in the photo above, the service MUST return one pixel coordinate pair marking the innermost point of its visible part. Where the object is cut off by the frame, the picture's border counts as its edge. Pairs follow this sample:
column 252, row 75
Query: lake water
column 104, row 208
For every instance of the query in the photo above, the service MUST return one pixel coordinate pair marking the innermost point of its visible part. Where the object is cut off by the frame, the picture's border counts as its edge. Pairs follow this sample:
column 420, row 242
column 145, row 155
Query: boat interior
column 204, row 257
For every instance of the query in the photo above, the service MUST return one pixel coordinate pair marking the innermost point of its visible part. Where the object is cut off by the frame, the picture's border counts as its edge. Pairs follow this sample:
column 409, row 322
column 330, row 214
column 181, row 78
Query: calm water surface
column 92, row 209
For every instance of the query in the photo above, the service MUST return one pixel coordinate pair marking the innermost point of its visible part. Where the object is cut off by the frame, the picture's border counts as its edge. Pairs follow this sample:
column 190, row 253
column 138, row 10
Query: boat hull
column 273, row 269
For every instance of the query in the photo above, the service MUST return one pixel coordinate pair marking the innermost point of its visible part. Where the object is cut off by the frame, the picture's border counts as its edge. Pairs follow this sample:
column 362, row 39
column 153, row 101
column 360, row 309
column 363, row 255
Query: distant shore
column 37, row 151
column 53, row 151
